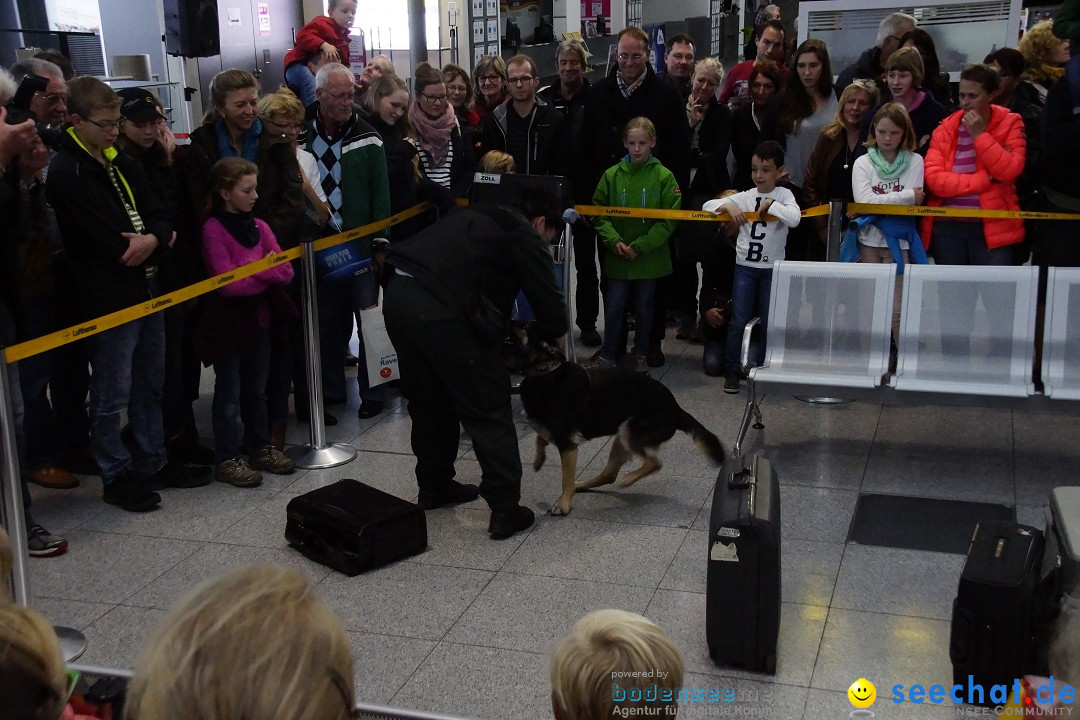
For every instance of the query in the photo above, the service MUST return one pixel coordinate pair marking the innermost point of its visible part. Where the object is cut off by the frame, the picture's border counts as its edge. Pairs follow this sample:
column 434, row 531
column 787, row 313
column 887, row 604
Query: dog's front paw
column 562, row 507
column 538, row 462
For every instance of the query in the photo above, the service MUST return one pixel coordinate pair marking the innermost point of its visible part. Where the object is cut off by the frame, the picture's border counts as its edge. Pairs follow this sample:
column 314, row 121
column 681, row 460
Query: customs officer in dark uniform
column 447, row 308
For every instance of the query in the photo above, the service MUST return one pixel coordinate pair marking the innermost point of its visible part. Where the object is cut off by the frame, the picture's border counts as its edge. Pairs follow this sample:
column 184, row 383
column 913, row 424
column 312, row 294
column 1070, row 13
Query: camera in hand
column 19, row 110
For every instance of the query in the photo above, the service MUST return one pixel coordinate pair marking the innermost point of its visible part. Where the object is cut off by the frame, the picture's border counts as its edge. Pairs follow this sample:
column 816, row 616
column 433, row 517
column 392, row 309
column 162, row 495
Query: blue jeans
column 749, row 298
column 300, row 79
column 615, row 301
column 336, row 311
column 127, row 372
column 240, row 380
column 960, row 243
column 35, row 375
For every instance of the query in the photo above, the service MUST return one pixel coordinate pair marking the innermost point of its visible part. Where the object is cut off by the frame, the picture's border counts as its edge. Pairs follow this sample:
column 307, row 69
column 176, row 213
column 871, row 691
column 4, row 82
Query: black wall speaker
column 191, row 28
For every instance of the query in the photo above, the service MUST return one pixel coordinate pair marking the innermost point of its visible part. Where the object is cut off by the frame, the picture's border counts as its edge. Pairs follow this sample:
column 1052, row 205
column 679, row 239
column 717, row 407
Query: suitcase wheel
column 770, row 664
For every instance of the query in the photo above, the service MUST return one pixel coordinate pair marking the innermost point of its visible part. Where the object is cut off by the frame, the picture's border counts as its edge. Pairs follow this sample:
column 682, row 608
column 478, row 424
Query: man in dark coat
column 447, row 309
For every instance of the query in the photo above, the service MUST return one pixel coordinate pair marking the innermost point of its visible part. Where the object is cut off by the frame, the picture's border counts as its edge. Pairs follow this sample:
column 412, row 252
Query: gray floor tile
column 682, row 616
column 459, row 680
column 458, row 537
column 1046, row 454
column 389, row 472
column 660, row 499
column 117, row 638
column 687, row 570
column 927, row 470
column 391, row 433
column 972, row 428
column 1034, row 515
column 383, row 663
column 105, row 567
column 409, row 599
column 742, row 697
column 618, row 553
column 262, row 527
column 61, row 511
column 812, row 513
column 213, row 559
column 892, row 648
column 526, row 612
column 77, row 614
column 829, row 704
column 893, row 580
column 194, row 514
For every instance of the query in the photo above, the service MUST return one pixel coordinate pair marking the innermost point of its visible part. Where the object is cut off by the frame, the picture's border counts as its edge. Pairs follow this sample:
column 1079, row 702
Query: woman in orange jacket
column 975, row 157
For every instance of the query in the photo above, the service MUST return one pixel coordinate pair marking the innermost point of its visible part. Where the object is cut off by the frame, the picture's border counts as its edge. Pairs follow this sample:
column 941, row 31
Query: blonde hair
column 710, row 64
column 640, row 123
column 496, row 161
column 585, row 661
column 908, row 59
column 225, row 82
column 32, row 676
column 1038, row 44
column 837, row 126
column 87, row 94
column 255, row 643
column 898, row 114
column 283, row 104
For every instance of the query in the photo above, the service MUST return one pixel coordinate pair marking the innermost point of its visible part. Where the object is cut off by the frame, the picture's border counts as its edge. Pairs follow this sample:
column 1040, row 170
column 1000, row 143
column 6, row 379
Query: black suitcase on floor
column 996, row 613
column 353, row 527
column 742, row 601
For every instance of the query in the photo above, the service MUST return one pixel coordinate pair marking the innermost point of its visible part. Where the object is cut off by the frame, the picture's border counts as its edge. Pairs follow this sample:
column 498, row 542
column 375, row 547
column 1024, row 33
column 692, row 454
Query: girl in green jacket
column 636, row 249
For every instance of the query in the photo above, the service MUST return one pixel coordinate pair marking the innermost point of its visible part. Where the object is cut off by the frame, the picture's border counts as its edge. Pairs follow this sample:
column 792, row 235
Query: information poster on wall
column 492, row 30
column 493, row 49
column 478, row 52
column 592, row 8
column 264, row 19
column 73, row 15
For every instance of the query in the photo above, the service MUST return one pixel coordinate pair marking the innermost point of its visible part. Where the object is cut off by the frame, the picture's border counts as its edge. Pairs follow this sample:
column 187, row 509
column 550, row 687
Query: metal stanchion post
column 319, row 454
column 832, row 254
column 72, row 642
column 14, row 519
column 567, row 258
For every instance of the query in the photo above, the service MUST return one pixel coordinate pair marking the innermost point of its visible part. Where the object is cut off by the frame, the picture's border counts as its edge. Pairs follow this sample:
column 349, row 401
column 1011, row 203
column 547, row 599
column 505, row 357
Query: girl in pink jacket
column 236, row 331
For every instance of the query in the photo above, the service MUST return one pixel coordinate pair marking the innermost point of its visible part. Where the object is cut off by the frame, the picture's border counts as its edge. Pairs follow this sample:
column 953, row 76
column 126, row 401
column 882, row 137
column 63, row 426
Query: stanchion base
column 822, row 400
column 308, row 458
column 72, row 643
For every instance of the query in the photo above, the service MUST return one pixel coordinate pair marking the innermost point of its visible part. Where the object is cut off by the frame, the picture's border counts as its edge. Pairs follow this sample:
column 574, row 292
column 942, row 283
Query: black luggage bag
column 352, row 527
column 998, row 610
column 742, row 602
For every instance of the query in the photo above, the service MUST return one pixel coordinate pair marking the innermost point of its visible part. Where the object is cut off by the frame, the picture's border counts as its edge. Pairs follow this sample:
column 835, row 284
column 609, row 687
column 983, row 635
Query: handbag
column 379, row 353
column 352, row 527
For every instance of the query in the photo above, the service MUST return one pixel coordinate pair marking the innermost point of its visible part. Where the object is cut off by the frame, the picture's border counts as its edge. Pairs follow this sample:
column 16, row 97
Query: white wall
column 659, row 10
column 134, row 27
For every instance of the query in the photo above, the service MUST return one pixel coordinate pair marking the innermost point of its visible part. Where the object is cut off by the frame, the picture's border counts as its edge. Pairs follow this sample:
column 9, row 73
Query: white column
column 617, row 21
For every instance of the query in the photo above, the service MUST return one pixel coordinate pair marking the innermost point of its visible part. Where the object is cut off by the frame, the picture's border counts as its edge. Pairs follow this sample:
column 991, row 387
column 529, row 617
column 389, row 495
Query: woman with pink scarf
column 444, row 146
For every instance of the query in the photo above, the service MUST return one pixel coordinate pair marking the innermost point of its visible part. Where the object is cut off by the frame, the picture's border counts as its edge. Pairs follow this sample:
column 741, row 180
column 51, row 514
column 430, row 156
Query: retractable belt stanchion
column 319, row 454
column 569, row 217
column 832, row 254
column 72, row 642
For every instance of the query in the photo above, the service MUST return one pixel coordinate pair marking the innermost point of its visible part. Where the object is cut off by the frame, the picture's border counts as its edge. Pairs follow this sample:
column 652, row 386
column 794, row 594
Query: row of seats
column 829, row 328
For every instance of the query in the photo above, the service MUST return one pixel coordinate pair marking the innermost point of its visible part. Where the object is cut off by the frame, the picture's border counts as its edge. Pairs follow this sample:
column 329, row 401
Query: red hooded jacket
column 1000, row 152
column 313, row 35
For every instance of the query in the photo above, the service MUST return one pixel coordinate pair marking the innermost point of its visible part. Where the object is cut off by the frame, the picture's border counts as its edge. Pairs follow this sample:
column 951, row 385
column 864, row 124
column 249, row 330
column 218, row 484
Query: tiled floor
column 465, row 628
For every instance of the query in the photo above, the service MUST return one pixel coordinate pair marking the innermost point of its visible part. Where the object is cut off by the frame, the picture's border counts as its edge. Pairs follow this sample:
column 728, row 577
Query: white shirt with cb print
column 761, row 242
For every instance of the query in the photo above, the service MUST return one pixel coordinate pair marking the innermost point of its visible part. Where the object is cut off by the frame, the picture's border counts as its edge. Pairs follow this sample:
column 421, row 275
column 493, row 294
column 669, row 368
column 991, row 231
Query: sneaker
column 453, row 494
column 131, row 494
column 731, row 381
column 369, row 409
column 272, row 461
column 177, row 475
column 598, row 362
column 591, row 338
column 504, row 524
column 639, row 364
column 40, row 543
column 237, row 472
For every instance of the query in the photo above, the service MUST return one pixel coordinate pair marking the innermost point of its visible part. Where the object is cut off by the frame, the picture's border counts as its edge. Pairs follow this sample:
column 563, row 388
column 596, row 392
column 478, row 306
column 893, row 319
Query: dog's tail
column 706, row 442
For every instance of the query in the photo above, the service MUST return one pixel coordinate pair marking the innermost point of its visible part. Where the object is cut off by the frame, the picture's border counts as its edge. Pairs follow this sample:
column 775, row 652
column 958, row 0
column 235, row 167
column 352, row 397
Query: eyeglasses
column 636, row 57
column 286, row 126
column 433, row 98
column 523, row 80
column 53, row 98
column 488, row 79
column 345, row 97
column 106, row 125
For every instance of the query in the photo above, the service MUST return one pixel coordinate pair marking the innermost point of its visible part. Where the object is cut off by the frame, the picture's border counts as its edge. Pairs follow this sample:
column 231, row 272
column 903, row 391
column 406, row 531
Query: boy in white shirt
column 761, row 242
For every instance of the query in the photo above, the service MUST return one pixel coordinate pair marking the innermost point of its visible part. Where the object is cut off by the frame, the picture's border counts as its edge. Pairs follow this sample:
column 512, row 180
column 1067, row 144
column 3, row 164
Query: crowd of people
column 105, row 210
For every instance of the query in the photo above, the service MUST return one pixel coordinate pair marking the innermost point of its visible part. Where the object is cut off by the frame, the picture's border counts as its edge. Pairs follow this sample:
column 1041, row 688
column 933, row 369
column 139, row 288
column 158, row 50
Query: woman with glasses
column 765, row 81
column 491, row 85
column 460, row 91
column 446, row 153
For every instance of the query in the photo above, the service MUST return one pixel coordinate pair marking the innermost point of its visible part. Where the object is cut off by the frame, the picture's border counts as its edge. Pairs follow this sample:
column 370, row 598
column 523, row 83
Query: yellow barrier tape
column 925, row 211
column 54, row 340
column 625, row 212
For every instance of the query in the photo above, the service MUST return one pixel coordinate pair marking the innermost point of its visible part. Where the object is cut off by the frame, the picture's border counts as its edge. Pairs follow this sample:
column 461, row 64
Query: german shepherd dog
column 568, row 405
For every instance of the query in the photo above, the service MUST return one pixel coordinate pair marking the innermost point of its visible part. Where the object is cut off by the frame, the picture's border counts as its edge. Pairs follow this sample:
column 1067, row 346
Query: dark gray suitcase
column 1062, row 559
column 742, row 601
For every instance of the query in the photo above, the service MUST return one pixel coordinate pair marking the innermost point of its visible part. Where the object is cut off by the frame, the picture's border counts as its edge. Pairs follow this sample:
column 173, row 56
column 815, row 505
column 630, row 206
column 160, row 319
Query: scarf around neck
column 249, row 141
column 240, row 225
column 433, row 134
column 886, row 170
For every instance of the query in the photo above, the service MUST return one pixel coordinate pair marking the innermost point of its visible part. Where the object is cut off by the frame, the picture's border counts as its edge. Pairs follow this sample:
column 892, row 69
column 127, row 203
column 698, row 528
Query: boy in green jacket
column 637, row 249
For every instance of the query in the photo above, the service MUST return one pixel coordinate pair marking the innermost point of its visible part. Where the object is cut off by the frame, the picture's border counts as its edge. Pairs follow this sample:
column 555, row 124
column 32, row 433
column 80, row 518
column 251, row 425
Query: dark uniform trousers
column 450, row 375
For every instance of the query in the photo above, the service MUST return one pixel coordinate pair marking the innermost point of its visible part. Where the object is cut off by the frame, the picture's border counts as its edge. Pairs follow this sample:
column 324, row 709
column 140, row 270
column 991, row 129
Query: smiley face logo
column 862, row 693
